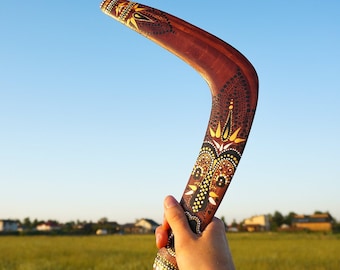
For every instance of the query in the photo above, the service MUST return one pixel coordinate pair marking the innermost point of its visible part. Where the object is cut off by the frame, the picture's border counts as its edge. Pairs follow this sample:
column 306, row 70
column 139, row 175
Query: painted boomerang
column 234, row 86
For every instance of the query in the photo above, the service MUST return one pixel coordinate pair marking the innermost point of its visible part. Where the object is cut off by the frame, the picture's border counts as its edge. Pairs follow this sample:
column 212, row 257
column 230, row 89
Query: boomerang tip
column 104, row 4
column 107, row 5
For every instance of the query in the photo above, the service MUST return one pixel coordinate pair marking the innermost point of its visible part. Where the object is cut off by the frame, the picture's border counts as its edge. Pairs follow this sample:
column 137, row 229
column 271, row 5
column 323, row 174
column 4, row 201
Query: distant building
column 147, row 225
column 48, row 226
column 232, row 229
column 130, row 228
column 140, row 226
column 7, row 225
column 316, row 222
column 257, row 223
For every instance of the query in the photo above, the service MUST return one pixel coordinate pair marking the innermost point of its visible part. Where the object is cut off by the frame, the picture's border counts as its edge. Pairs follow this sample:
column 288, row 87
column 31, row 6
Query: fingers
column 174, row 219
column 161, row 237
column 215, row 228
column 175, row 216
column 216, row 225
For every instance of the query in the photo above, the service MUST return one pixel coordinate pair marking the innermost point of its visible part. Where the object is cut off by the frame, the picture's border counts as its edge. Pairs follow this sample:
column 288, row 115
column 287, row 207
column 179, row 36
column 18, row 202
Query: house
column 48, row 226
column 257, row 223
column 140, row 226
column 318, row 222
column 131, row 228
column 147, row 225
column 7, row 225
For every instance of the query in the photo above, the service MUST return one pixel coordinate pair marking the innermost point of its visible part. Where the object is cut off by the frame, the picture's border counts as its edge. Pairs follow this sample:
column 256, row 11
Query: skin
column 208, row 251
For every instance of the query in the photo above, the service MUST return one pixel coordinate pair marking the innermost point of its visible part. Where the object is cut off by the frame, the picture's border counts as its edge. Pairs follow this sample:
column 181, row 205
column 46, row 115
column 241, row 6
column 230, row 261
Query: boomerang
column 233, row 83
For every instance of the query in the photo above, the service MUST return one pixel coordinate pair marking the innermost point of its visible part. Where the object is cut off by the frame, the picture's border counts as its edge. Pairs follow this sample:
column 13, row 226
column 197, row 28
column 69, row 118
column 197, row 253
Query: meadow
column 137, row 252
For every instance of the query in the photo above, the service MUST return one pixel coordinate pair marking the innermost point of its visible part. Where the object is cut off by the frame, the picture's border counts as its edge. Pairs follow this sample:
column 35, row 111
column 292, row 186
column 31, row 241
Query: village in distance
column 317, row 222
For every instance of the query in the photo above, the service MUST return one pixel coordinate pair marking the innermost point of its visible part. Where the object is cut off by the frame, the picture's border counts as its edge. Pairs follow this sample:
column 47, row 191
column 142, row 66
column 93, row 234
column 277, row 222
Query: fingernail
column 170, row 202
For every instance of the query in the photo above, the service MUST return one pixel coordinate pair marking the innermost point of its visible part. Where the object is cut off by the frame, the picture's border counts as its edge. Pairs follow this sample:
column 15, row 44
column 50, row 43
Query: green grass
column 129, row 252
column 86, row 253
column 285, row 251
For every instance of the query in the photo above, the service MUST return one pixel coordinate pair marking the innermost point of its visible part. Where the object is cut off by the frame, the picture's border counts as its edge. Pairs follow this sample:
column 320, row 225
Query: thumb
column 175, row 216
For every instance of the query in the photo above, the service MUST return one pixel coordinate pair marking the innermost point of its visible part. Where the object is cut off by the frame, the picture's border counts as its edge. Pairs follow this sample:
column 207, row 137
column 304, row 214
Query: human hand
column 208, row 251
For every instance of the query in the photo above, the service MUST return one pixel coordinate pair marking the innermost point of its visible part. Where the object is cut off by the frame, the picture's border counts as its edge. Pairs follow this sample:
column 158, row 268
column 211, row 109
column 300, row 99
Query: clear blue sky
column 97, row 121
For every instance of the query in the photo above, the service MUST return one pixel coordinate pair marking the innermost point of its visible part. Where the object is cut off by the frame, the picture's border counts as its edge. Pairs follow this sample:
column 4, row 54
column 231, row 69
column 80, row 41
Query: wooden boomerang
column 234, row 87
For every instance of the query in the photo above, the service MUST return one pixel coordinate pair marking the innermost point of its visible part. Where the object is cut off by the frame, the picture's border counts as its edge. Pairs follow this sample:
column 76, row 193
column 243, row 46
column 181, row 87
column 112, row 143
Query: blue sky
column 97, row 121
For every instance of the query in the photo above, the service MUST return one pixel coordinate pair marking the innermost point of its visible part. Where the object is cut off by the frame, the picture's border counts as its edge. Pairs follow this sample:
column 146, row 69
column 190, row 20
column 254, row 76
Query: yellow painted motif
column 233, row 137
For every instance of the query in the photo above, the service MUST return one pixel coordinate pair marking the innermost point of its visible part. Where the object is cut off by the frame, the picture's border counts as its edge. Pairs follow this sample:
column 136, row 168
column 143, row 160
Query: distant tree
column 103, row 220
column 27, row 223
column 223, row 219
column 234, row 224
column 69, row 227
column 336, row 227
column 89, row 228
column 35, row 223
column 276, row 220
column 224, row 222
column 289, row 218
column 53, row 221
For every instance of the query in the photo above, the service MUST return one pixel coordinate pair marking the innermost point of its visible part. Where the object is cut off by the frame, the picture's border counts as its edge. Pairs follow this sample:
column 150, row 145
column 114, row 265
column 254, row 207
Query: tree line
column 28, row 226
column 277, row 219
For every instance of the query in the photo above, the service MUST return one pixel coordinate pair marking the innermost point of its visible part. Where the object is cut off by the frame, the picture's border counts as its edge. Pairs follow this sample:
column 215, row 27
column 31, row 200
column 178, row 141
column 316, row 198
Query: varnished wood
column 233, row 84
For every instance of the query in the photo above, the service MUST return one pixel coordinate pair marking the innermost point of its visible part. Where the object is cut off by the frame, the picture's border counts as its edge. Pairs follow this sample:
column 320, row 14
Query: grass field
column 137, row 252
